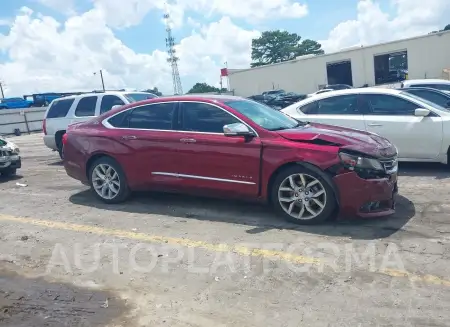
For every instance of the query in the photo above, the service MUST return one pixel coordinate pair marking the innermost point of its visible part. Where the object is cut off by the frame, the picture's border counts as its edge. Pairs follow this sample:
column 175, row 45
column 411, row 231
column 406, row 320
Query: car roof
column 197, row 97
column 75, row 96
column 422, row 88
column 365, row 90
column 426, row 81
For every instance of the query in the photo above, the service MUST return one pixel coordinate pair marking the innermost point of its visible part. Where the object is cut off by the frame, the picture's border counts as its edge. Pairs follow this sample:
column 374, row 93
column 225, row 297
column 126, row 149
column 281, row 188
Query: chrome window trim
column 202, row 177
column 106, row 124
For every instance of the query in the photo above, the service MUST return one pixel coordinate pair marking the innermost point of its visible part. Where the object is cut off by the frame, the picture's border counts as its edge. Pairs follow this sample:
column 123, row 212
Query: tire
column 320, row 192
column 9, row 172
column 61, row 151
column 123, row 190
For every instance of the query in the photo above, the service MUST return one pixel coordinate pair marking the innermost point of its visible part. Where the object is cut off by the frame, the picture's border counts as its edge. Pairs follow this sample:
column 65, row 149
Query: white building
column 426, row 56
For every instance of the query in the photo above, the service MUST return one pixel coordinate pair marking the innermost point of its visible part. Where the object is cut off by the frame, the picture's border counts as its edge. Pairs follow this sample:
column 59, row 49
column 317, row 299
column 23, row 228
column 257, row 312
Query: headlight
column 16, row 150
column 352, row 161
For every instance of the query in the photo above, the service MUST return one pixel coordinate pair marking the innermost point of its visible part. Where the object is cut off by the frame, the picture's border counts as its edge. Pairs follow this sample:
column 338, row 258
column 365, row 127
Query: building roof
column 345, row 50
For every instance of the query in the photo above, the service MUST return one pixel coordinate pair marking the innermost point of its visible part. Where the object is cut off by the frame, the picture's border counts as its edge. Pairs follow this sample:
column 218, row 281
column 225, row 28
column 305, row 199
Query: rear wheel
column 108, row 180
column 61, row 151
column 303, row 196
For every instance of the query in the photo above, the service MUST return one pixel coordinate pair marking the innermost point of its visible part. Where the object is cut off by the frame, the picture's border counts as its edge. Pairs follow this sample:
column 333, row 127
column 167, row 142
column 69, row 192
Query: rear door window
column 339, row 105
column 86, row 107
column 60, row 108
column 108, row 101
column 158, row 116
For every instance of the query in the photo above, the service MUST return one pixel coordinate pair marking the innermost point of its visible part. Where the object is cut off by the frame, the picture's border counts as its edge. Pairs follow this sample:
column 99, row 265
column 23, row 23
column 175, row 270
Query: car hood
column 346, row 138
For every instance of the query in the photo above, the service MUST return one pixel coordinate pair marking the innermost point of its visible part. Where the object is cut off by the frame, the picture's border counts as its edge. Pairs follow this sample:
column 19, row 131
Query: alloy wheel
column 302, row 196
column 106, row 181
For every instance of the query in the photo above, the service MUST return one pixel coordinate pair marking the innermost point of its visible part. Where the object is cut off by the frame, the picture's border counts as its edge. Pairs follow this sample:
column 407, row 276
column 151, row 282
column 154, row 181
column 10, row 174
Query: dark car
column 234, row 147
column 432, row 95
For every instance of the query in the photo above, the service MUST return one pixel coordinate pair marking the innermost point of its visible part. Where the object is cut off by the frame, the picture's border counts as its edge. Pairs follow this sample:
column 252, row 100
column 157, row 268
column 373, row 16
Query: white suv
column 77, row 108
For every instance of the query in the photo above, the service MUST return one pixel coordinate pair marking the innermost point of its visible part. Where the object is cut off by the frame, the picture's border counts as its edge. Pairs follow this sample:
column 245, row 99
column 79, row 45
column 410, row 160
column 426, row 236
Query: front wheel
column 9, row 172
column 303, row 196
column 108, row 180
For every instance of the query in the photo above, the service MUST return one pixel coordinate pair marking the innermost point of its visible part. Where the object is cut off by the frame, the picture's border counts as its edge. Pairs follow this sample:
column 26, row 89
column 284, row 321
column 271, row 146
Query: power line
column 172, row 59
column 1, row 89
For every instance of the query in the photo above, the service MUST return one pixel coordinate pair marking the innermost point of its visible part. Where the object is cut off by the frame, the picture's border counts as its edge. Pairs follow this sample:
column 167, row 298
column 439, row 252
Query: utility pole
column 103, row 82
column 1, row 89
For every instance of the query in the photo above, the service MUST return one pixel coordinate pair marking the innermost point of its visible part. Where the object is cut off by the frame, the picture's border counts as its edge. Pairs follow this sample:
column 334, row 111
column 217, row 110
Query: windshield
column 134, row 97
column 417, row 98
column 264, row 116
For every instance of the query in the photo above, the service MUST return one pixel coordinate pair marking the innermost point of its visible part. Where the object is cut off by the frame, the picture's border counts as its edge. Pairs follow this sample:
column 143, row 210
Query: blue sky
column 129, row 43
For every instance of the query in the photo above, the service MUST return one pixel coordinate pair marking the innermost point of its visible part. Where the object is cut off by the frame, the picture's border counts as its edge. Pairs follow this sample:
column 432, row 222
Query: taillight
column 64, row 139
column 44, row 126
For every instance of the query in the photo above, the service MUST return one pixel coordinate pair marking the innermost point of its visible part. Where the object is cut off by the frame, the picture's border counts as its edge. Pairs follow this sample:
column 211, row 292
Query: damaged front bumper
column 366, row 198
column 9, row 161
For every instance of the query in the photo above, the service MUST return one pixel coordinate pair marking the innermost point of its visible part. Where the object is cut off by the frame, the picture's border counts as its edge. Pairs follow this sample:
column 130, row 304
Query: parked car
column 10, row 159
column 440, row 84
column 434, row 95
column 233, row 147
column 420, row 129
column 319, row 92
column 77, row 108
column 338, row 87
column 15, row 103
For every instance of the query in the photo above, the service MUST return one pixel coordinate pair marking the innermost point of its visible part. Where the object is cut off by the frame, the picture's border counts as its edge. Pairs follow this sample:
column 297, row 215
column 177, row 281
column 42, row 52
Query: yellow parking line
column 241, row 250
column 255, row 252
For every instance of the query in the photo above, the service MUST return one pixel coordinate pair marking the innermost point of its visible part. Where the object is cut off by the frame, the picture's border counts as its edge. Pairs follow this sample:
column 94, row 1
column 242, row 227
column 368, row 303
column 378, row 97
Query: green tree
column 278, row 46
column 447, row 28
column 155, row 91
column 205, row 88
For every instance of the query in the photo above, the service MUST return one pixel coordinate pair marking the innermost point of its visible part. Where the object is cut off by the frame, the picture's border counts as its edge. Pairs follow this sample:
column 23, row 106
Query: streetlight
column 101, row 76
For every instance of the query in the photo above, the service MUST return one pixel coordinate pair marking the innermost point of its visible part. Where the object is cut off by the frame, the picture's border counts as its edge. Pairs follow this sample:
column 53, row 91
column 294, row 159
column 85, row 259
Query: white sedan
column 418, row 128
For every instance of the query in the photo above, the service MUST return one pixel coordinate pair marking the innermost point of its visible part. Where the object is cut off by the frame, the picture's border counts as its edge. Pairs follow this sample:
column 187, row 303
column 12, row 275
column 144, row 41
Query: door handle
column 188, row 140
column 129, row 137
column 374, row 124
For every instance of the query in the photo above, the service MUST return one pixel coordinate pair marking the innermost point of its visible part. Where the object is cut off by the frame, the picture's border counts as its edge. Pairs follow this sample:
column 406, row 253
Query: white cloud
column 63, row 56
column 64, row 6
column 118, row 14
column 372, row 25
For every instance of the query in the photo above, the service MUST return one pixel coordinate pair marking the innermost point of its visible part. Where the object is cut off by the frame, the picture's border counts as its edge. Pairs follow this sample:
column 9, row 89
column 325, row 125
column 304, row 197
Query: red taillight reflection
column 64, row 139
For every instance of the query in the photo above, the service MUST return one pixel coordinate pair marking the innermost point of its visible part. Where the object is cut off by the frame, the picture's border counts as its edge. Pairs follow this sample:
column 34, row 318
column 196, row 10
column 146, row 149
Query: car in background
column 77, row 108
column 338, row 87
column 439, row 84
column 15, row 103
column 319, row 92
column 10, row 159
column 434, row 95
column 233, row 147
column 420, row 129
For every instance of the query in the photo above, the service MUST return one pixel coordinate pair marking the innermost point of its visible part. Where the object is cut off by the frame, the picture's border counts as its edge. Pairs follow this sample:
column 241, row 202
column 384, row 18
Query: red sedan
column 233, row 147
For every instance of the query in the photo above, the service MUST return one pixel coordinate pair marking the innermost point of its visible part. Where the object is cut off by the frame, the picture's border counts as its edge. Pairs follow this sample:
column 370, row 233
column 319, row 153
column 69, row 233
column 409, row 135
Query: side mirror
column 116, row 106
column 237, row 129
column 420, row 112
